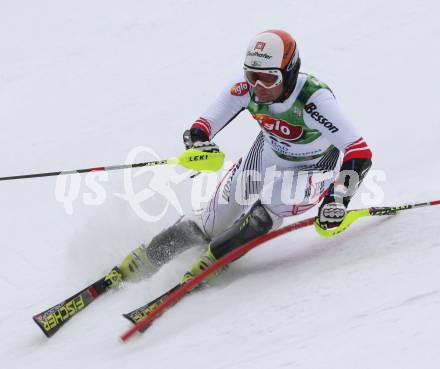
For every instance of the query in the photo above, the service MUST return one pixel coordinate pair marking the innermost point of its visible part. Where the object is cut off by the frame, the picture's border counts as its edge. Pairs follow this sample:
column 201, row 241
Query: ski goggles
column 267, row 78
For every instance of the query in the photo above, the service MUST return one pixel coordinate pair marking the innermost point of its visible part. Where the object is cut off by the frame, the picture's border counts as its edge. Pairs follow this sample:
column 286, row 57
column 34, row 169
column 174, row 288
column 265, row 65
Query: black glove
column 206, row 146
column 195, row 138
column 193, row 135
column 334, row 207
column 331, row 214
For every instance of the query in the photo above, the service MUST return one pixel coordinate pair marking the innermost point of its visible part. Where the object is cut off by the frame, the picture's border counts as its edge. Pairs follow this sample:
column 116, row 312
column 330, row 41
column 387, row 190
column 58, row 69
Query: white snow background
column 84, row 82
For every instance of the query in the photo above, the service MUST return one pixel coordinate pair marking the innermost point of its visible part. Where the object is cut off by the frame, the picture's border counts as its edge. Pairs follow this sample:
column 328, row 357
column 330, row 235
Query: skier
column 304, row 137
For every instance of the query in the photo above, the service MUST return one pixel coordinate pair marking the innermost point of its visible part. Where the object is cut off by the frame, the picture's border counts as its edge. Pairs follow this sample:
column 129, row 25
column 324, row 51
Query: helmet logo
column 256, row 63
column 259, row 55
column 260, row 45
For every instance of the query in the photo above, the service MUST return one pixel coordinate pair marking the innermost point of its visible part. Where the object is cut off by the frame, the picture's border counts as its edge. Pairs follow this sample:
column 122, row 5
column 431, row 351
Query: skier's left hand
column 331, row 214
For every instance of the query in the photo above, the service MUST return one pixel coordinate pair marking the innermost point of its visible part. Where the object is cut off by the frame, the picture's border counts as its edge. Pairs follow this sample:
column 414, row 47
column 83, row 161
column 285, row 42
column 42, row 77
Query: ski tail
column 52, row 319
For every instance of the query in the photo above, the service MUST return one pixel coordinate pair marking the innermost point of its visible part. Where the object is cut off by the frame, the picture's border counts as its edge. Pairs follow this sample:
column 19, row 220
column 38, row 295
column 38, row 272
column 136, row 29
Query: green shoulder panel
column 312, row 85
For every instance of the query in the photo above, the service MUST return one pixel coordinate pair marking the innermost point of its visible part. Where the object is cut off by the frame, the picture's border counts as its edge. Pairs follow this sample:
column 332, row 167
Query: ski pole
column 191, row 159
column 354, row 215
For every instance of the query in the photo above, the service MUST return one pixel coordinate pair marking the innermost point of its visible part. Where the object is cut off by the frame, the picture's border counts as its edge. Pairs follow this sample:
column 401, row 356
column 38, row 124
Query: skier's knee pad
column 256, row 222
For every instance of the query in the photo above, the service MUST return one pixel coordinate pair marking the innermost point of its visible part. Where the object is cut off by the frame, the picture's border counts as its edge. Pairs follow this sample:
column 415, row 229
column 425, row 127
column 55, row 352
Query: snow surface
column 84, row 82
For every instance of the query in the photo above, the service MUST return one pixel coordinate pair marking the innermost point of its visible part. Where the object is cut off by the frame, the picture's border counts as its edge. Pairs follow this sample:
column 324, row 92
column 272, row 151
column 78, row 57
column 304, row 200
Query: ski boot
column 205, row 260
column 256, row 222
column 146, row 260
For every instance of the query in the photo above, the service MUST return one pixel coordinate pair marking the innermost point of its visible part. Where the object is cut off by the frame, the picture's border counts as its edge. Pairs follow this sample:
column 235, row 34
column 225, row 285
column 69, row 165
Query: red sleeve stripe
column 204, row 121
column 363, row 153
column 357, row 150
column 365, row 148
column 203, row 124
column 202, row 127
column 358, row 146
column 357, row 142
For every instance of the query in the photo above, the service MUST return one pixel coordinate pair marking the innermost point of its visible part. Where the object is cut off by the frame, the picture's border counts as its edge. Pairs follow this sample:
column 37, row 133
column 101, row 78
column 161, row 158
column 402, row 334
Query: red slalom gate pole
column 228, row 258
column 243, row 249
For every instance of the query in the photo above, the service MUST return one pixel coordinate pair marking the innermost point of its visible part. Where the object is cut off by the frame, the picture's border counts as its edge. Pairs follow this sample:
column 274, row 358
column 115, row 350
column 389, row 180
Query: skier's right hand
column 207, row 146
column 197, row 139
column 201, row 154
